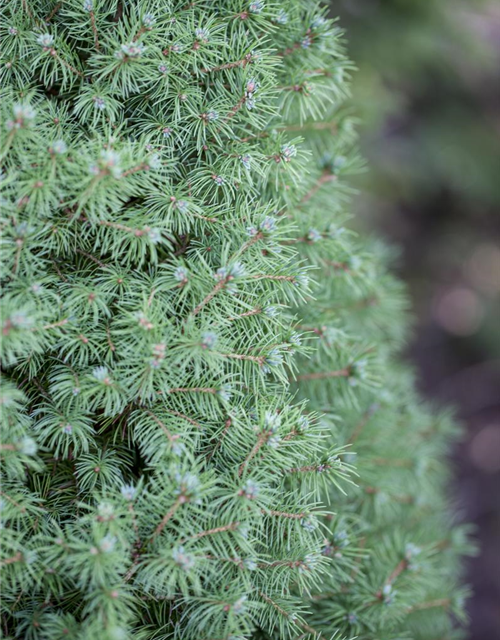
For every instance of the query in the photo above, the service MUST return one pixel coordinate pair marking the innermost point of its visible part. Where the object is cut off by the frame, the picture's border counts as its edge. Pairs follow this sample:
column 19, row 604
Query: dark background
column 428, row 95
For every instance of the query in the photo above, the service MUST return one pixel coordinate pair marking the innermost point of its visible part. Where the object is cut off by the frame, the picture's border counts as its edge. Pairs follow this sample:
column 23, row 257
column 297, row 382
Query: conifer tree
column 206, row 431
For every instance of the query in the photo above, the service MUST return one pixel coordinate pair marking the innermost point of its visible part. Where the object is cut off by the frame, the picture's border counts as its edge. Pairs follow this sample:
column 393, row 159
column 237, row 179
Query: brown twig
column 262, row 439
column 180, row 500
column 325, row 178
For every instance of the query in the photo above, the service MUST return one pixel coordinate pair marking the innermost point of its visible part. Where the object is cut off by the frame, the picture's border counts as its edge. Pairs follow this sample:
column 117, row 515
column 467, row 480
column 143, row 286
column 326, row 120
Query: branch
column 263, row 437
column 182, row 415
column 219, row 441
column 94, row 29
column 252, row 312
column 220, row 285
column 15, row 558
column 171, row 437
column 209, row 532
column 241, row 356
column 230, row 65
column 192, row 390
column 180, row 500
column 324, row 179
column 284, row 514
column 317, row 635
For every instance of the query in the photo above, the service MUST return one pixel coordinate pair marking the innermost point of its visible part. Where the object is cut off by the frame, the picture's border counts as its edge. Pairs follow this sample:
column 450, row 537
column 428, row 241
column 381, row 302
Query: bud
column 246, row 161
column 180, row 274
column 256, row 7
column 101, row 374
column 45, row 40
column 225, row 392
column 28, row 446
column 107, row 544
column 208, row 340
column 288, row 151
column 129, row 492
column 130, row 51
column 99, row 103
column 314, row 235
column 239, row 605
column 282, row 17
column 182, row 559
column 59, row 147
column 202, row 34
column 250, row 490
column 148, row 20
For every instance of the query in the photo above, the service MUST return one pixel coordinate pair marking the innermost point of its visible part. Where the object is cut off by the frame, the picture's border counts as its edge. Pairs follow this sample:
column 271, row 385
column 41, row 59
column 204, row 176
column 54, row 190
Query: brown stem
column 140, row 167
column 54, row 53
column 263, row 437
column 252, row 312
column 305, row 627
column 92, row 258
column 192, row 390
column 284, row 514
column 182, row 415
column 261, row 134
column 12, row 501
column 220, row 285
column 402, row 566
column 230, row 65
column 17, row 257
column 60, row 323
column 326, row 177
column 294, row 46
column 134, row 525
column 392, row 462
column 58, row 271
column 241, row 356
column 180, row 500
column 249, row 243
column 122, row 227
column 309, row 468
column 53, row 12
column 277, row 278
column 209, row 532
column 28, row 10
column 341, row 266
column 15, row 558
column 234, row 110
column 94, row 29
column 170, row 437
column 219, row 441
column 110, row 342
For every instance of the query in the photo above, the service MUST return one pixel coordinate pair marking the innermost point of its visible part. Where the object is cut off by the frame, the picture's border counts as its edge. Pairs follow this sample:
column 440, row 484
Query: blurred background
column 427, row 94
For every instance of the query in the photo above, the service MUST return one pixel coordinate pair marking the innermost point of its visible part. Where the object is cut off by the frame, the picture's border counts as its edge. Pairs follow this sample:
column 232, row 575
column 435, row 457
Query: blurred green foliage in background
column 427, row 95
column 418, row 63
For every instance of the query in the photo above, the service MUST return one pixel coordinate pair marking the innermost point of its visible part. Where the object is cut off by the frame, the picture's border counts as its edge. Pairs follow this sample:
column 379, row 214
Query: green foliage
column 194, row 344
column 416, row 63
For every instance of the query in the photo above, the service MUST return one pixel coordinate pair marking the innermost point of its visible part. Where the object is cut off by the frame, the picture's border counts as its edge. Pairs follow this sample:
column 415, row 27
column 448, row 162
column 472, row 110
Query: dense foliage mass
column 205, row 434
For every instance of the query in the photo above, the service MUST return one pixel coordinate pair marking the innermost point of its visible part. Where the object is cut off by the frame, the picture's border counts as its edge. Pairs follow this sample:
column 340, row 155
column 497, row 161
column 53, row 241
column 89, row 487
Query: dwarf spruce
column 206, row 431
